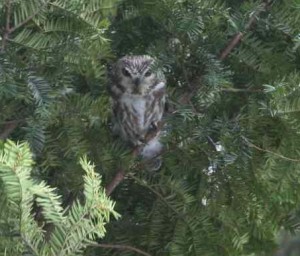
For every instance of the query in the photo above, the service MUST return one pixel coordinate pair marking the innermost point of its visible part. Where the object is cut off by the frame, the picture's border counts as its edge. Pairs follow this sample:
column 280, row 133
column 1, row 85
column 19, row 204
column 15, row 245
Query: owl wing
column 155, row 109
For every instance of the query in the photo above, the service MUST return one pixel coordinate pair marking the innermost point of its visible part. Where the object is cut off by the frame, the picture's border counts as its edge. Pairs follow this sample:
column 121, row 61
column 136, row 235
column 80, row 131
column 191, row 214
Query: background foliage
column 229, row 184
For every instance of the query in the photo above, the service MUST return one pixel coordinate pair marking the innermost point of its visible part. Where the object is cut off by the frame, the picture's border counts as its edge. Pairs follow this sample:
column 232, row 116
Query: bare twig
column 156, row 193
column 7, row 25
column 8, row 129
column 241, row 90
column 8, row 14
column 8, row 30
column 122, row 247
column 23, row 22
column 120, row 175
column 13, row 121
column 271, row 152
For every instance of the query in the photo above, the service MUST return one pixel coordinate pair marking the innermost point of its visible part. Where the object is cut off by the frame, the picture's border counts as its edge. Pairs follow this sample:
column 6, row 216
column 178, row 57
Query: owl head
column 134, row 74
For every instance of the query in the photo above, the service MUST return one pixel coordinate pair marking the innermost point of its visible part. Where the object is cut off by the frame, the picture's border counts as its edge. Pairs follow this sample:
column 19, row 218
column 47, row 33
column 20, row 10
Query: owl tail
column 151, row 154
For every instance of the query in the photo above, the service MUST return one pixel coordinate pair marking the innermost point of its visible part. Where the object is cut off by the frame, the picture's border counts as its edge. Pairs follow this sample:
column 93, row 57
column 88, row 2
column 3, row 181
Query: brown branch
column 7, row 25
column 157, row 194
column 122, row 247
column 241, row 90
column 13, row 121
column 24, row 22
column 186, row 97
column 120, row 175
column 8, row 14
column 8, row 30
column 238, row 37
column 232, row 44
column 8, row 129
column 271, row 152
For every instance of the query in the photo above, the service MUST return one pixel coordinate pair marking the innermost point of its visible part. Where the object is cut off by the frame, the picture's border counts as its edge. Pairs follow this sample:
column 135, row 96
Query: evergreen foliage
column 229, row 184
column 62, row 231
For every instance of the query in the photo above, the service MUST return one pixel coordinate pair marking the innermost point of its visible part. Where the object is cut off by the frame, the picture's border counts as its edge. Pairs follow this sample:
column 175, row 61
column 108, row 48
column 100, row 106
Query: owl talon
column 153, row 127
column 143, row 141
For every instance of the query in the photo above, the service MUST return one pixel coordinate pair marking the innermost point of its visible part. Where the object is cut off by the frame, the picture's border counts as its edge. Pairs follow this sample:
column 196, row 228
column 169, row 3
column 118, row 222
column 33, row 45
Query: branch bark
column 235, row 40
column 9, row 127
column 8, row 30
column 7, row 25
column 122, row 247
column 238, row 37
column 271, row 152
column 120, row 175
column 23, row 22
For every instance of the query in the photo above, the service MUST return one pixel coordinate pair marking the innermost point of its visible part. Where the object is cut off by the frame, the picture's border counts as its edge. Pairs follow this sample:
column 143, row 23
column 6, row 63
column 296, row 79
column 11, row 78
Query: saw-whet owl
column 138, row 94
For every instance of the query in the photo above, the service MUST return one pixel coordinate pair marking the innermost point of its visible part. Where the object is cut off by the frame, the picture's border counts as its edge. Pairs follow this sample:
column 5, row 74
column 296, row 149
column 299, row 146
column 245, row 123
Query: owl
column 138, row 93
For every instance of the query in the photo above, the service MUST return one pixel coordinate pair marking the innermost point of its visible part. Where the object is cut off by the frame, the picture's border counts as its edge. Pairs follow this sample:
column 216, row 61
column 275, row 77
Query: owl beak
column 137, row 81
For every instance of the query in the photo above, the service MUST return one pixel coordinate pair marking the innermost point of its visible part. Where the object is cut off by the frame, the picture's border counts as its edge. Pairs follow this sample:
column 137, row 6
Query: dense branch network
column 186, row 98
column 7, row 30
column 122, row 247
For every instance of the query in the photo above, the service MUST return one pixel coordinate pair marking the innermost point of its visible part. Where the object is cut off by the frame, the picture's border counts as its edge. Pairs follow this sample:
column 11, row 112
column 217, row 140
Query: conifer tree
column 229, row 183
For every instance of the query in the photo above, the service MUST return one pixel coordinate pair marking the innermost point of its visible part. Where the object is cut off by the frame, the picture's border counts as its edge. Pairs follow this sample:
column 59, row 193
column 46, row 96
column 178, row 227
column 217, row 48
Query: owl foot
column 153, row 127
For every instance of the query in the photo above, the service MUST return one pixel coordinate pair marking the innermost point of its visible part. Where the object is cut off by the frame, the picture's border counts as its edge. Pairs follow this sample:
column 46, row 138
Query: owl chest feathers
column 138, row 110
column 136, row 114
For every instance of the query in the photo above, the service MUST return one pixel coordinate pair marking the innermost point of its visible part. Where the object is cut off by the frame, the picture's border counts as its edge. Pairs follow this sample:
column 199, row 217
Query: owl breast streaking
column 138, row 94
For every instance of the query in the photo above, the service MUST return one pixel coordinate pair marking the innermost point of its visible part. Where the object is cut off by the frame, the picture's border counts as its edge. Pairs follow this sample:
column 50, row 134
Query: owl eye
column 125, row 72
column 148, row 73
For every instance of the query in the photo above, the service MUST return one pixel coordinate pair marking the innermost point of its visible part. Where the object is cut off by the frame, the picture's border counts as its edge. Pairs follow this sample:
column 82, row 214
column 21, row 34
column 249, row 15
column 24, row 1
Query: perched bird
column 138, row 93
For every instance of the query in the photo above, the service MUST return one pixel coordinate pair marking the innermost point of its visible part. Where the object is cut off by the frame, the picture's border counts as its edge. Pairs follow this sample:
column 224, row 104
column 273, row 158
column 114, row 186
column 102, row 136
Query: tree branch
column 8, row 30
column 232, row 44
column 9, row 127
column 241, row 90
column 271, row 152
column 122, row 247
column 7, row 25
column 186, row 97
column 238, row 37
column 23, row 22
column 120, row 175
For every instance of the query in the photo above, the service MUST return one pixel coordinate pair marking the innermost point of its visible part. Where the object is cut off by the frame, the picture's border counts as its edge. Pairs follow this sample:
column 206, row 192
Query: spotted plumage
column 138, row 95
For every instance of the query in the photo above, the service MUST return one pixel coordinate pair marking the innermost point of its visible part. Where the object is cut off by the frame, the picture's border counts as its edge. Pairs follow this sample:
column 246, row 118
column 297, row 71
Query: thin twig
column 24, row 22
column 8, row 14
column 13, row 121
column 8, row 129
column 271, row 152
column 8, row 30
column 157, row 194
column 7, row 25
column 121, row 247
column 241, row 90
